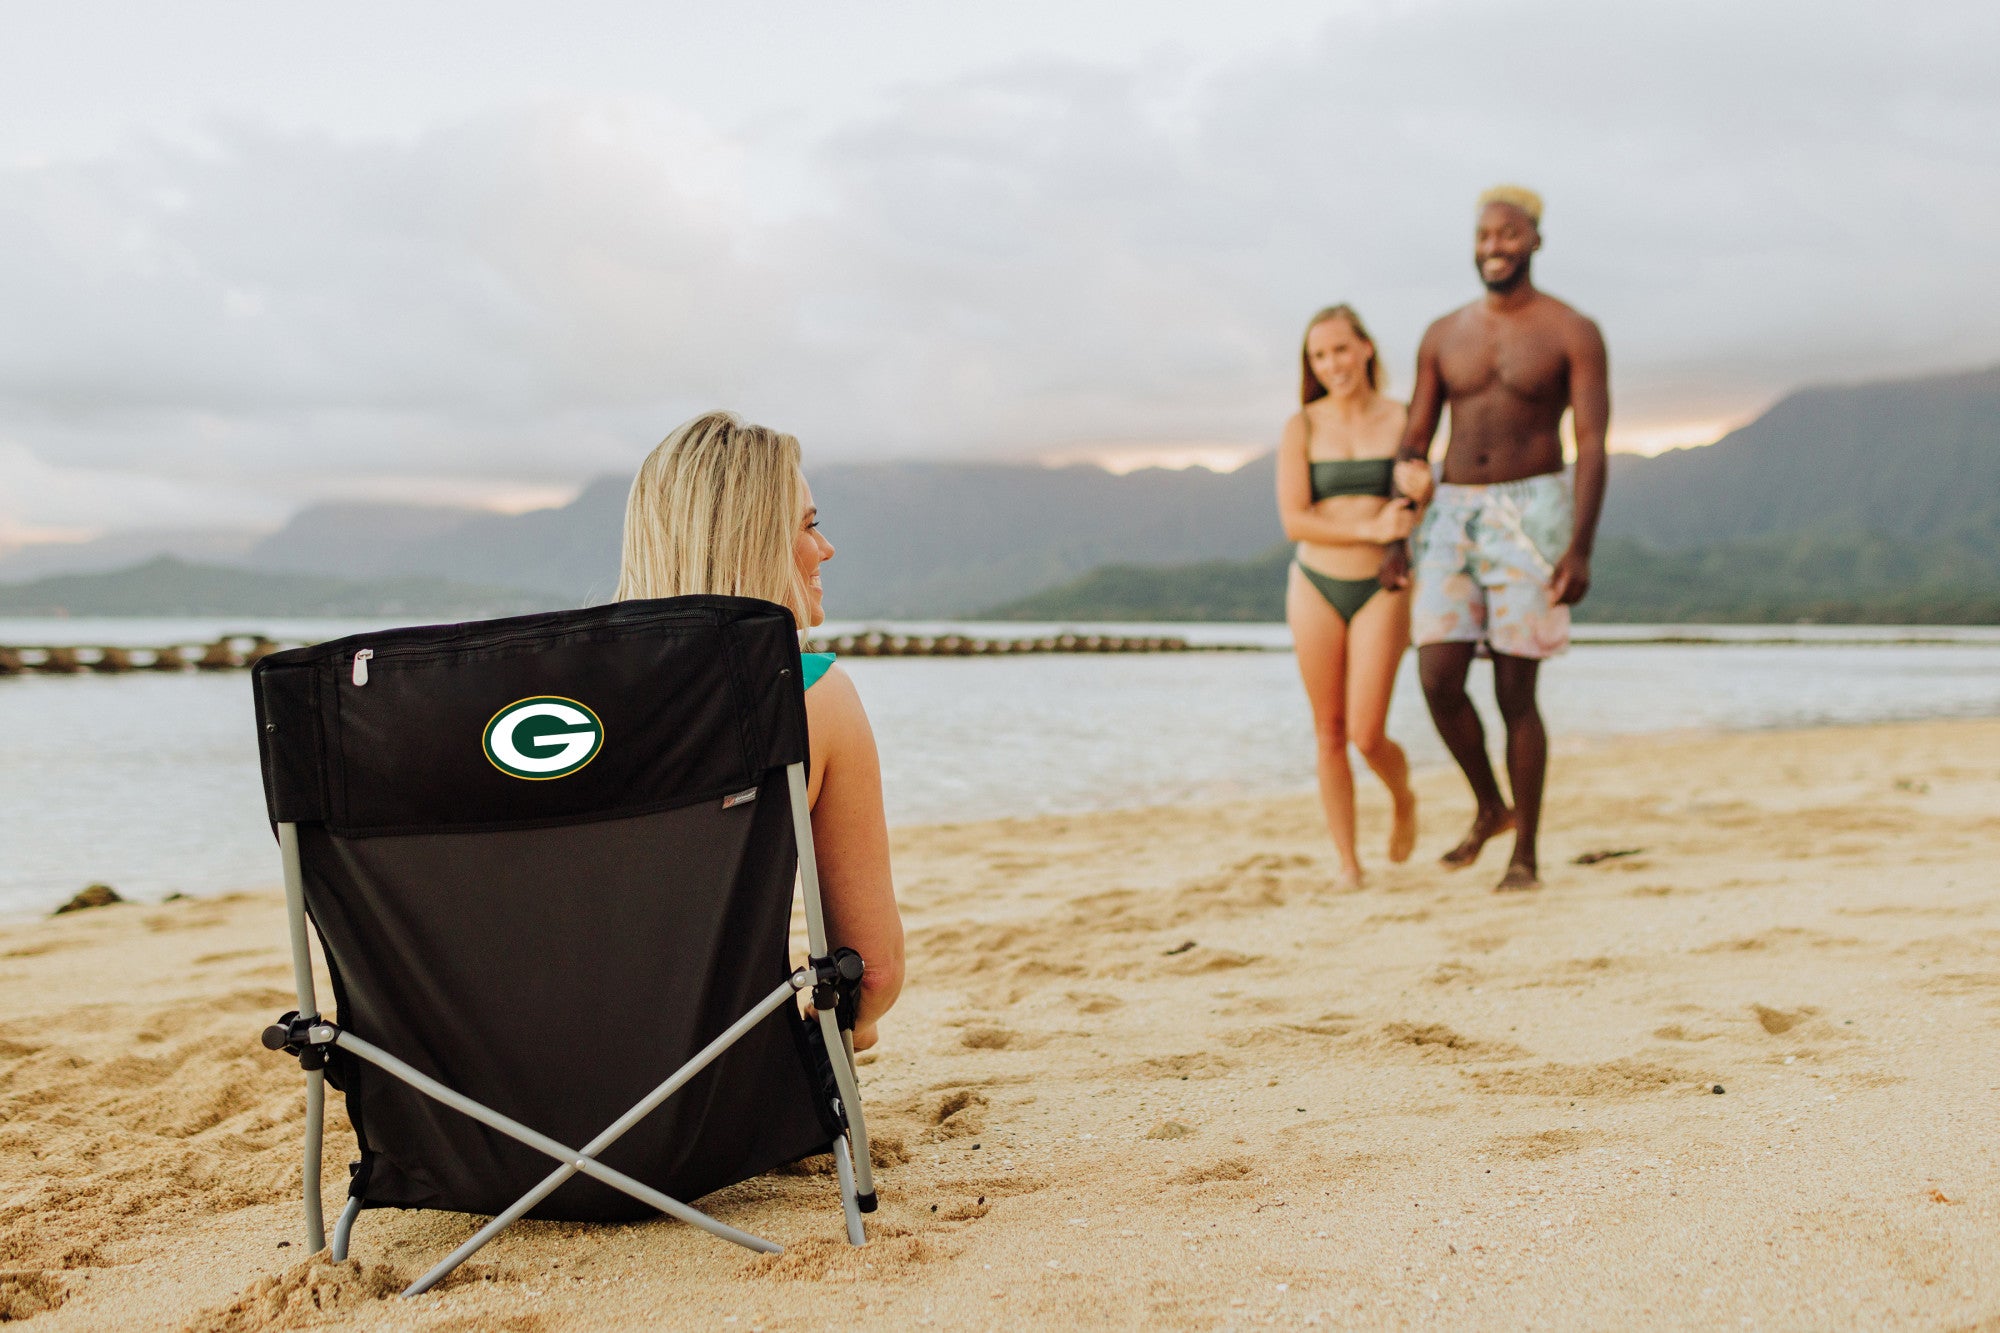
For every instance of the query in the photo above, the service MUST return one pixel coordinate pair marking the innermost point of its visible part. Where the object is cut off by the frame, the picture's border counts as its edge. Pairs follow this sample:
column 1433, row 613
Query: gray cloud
column 1047, row 253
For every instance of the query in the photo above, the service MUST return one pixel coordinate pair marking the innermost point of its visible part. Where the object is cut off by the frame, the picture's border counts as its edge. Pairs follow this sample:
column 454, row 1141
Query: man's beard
column 1516, row 277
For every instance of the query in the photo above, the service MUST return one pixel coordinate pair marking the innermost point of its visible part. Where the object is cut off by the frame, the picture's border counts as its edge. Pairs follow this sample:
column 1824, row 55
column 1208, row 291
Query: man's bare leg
column 1527, row 763
column 1442, row 668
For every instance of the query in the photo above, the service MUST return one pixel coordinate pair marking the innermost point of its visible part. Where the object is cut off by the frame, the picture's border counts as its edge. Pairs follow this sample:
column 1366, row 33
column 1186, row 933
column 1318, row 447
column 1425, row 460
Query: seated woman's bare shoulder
column 838, row 726
column 851, row 841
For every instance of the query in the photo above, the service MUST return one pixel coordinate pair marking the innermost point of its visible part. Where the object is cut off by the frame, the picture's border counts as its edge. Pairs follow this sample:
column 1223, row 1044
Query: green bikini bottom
column 1345, row 596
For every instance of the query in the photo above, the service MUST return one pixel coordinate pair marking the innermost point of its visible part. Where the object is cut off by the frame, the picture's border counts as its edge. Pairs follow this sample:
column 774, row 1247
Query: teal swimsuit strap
column 815, row 665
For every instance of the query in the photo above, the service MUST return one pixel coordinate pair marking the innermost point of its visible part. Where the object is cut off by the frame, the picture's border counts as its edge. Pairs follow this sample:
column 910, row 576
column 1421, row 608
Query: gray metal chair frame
column 851, row 1159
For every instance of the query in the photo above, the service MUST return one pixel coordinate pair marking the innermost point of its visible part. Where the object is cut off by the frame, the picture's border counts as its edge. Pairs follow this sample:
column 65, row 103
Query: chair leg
column 840, row 1054
column 302, row 979
column 315, row 1126
column 839, row 1045
column 864, row 1160
column 843, row 1163
column 344, row 1229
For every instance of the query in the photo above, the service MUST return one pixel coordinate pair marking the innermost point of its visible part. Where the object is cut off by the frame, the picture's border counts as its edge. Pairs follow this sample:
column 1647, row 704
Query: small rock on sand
column 97, row 895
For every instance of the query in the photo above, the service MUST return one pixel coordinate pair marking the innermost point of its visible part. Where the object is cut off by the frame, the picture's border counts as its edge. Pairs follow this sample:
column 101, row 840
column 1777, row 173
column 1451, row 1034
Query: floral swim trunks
column 1483, row 557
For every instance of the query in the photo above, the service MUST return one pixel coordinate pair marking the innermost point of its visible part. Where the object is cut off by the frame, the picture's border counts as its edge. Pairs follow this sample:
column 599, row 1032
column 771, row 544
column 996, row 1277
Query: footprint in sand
column 885, row 1149
column 1224, row 1170
column 304, row 1293
column 1198, row 960
column 1613, row 1078
column 1776, row 937
column 1678, row 1032
column 990, row 1037
column 16, row 1050
column 890, row 1248
column 952, row 1114
column 965, row 1212
column 1437, row 1043
column 25, row 1295
column 1330, row 1024
column 1778, row 1022
column 1200, row 1064
column 1546, row 1144
column 41, row 947
column 229, row 956
column 1961, row 983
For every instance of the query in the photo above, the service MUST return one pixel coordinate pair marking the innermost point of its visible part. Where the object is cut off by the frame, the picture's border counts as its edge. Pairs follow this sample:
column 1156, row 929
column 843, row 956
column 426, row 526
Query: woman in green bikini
column 1335, row 462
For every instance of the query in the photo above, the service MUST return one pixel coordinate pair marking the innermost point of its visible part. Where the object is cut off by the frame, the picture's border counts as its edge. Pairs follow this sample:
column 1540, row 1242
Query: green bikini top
column 814, row 665
column 1352, row 476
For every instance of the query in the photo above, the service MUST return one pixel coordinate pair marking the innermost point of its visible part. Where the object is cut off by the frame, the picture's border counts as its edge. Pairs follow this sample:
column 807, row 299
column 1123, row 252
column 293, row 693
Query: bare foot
column 1348, row 880
column 1486, row 825
column 1403, row 833
column 1518, row 879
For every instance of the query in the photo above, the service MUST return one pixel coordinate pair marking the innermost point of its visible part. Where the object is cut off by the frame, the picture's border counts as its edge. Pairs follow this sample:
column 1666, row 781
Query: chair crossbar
column 580, row 1160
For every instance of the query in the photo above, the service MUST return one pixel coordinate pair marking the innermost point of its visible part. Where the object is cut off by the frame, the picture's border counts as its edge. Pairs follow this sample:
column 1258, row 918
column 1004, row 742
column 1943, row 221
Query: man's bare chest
column 1523, row 362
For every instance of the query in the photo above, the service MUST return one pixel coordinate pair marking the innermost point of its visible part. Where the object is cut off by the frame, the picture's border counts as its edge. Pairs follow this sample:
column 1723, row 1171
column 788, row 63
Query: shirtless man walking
column 1503, row 550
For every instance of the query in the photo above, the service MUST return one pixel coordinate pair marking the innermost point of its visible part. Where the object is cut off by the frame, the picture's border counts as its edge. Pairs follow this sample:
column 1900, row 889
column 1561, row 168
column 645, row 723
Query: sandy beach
column 1150, row 1072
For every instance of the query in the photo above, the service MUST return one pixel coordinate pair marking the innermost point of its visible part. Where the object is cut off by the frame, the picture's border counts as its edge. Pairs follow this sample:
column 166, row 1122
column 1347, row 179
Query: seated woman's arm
column 851, row 841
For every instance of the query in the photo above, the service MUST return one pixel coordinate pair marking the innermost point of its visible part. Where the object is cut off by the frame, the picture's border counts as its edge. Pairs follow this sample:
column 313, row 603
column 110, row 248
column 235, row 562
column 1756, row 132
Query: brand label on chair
column 545, row 737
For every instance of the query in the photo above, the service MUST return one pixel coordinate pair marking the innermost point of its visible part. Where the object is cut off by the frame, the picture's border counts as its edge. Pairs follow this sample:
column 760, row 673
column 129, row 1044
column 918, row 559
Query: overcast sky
column 254, row 254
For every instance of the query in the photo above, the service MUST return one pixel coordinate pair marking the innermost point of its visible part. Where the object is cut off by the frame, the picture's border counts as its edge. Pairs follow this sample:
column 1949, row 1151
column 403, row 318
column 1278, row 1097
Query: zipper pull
column 361, row 665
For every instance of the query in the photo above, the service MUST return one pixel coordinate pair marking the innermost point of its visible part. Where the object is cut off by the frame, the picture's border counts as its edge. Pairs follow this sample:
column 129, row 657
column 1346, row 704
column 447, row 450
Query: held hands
column 1414, row 479
column 1571, row 579
column 1395, row 572
column 1392, row 522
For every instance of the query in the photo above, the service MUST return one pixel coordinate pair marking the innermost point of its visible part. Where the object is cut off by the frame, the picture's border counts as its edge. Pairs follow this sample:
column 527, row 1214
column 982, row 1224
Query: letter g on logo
column 544, row 737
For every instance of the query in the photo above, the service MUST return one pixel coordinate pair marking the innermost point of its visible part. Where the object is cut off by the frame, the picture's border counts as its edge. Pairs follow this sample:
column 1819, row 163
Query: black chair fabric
column 554, row 947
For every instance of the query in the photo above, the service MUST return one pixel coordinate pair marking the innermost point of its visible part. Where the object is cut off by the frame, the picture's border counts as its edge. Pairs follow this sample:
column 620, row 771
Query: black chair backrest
column 549, row 859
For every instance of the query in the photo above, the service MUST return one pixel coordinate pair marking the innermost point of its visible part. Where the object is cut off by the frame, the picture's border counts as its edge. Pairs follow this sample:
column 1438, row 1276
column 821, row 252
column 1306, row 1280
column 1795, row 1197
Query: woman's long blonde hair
column 715, row 509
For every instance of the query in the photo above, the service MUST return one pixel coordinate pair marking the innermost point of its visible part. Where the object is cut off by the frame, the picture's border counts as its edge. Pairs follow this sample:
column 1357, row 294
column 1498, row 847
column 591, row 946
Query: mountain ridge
column 1905, row 458
column 1914, row 463
column 170, row 586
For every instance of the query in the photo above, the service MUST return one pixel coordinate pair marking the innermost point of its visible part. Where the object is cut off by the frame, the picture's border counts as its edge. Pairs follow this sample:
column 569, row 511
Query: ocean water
column 150, row 783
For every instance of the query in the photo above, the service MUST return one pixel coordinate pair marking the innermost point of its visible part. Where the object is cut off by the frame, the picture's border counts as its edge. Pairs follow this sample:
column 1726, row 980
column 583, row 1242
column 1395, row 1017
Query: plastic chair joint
column 307, row 1038
column 837, row 985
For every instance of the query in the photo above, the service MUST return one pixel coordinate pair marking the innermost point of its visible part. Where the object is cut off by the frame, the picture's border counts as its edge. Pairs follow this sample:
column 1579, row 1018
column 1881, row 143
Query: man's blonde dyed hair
column 1515, row 196
column 715, row 509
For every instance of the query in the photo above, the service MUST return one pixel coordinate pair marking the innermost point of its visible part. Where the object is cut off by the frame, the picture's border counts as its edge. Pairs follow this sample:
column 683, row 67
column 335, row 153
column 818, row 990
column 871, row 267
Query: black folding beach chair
column 551, row 862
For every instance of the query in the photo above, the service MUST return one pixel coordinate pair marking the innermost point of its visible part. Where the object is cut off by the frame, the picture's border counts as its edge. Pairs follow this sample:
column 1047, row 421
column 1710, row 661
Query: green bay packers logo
column 545, row 737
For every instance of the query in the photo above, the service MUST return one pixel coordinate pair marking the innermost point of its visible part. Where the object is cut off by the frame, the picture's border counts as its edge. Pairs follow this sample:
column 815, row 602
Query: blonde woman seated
column 721, row 507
